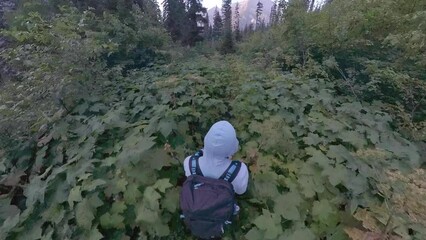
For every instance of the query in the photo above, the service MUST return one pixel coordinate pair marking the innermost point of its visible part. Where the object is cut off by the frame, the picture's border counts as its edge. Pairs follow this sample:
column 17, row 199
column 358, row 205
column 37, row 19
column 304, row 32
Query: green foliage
column 196, row 22
column 185, row 20
column 112, row 167
column 259, row 11
column 174, row 18
column 374, row 50
column 217, row 25
column 70, row 53
column 314, row 117
column 227, row 36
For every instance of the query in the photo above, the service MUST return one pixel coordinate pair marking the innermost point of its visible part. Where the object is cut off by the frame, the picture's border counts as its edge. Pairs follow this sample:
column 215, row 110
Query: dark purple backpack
column 208, row 204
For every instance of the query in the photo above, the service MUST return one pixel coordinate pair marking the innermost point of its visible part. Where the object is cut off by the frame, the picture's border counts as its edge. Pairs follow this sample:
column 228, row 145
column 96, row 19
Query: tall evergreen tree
column 217, row 25
column 259, row 11
column 122, row 7
column 228, row 42
column 262, row 24
column 310, row 5
column 207, row 34
column 281, row 10
column 174, row 18
column 196, row 22
column 248, row 29
column 273, row 16
column 237, row 23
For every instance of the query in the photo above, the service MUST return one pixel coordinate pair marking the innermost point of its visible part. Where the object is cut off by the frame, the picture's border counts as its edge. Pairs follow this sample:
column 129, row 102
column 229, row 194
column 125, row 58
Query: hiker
column 208, row 195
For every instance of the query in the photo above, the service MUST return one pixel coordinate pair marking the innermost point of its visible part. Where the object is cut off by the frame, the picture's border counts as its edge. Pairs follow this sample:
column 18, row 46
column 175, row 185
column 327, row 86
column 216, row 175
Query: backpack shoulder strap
column 194, row 167
column 231, row 172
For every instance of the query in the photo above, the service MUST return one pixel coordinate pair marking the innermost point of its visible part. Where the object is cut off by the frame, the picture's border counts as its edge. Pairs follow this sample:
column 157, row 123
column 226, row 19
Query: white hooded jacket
column 220, row 144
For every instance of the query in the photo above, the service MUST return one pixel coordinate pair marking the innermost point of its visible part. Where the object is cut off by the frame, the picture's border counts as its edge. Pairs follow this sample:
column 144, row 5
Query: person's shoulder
column 241, row 180
column 185, row 162
column 243, row 169
column 243, row 165
column 186, row 166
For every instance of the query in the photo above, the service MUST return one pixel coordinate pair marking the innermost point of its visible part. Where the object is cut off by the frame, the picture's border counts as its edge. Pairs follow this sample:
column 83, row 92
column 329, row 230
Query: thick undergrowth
column 322, row 165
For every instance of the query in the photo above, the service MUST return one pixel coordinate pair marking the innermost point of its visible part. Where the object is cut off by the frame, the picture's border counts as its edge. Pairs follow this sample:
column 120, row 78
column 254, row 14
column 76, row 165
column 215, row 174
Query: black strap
column 231, row 172
column 194, row 167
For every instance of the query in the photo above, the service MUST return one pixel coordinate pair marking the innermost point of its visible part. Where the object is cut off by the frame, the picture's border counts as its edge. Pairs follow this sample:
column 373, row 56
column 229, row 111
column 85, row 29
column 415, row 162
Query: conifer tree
column 217, row 25
column 237, row 23
column 245, row 30
column 228, row 43
column 250, row 28
column 310, row 5
column 273, row 16
column 262, row 24
column 196, row 21
column 259, row 11
column 120, row 7
column 281, row 10
column 174, row 18
column 207, row 34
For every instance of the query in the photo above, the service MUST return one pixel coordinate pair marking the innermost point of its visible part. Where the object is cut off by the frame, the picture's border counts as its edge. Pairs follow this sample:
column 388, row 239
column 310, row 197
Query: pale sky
column 206, row 3
column 212, row 3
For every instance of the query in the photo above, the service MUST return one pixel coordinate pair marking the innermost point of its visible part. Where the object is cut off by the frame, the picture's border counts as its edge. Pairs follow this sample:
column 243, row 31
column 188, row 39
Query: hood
column 220, row 142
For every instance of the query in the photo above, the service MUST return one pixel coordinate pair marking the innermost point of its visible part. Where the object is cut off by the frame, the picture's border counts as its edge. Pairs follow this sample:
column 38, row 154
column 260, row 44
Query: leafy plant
column 113, row 168
column 67, row 55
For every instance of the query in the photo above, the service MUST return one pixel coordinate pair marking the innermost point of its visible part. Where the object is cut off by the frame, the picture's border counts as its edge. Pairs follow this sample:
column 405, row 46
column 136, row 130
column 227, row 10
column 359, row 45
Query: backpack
column 208, row 204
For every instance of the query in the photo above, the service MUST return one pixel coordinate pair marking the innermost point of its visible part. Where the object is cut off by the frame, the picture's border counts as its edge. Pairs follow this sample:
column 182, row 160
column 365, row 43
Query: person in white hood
column 220, row 144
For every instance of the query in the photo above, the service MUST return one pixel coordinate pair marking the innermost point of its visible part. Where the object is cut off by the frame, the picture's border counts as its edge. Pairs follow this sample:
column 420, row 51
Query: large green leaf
column 270, row 223
column 75, row 196
column 162, row 185
column 287, row 205
column 94, row 234
column 54, row 214
column 297, row 233
column 112, row 221
column 132, row 194
column 254, row 234
column 146, row 215
column 265, row 185
column 84, row 214
column 171, row 200
column 34, row 192
column 7, row 210
column 336, row 175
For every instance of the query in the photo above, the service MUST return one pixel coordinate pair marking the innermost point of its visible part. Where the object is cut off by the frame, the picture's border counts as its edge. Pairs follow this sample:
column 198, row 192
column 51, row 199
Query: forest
column 102, row 100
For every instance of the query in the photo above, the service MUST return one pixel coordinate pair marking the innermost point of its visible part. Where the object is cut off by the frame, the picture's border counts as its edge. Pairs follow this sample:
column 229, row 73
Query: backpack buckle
column 196, row 186
column 236, row 209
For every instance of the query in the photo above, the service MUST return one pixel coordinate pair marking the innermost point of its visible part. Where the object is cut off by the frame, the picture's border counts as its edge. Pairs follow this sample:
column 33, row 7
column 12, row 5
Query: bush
column 68, row 55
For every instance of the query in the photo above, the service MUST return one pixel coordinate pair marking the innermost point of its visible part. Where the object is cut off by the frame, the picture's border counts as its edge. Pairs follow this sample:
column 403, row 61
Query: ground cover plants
column 322, row 165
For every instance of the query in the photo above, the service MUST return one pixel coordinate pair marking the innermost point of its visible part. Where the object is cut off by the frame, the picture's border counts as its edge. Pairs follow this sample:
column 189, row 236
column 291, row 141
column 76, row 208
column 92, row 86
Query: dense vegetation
column 329, row 107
